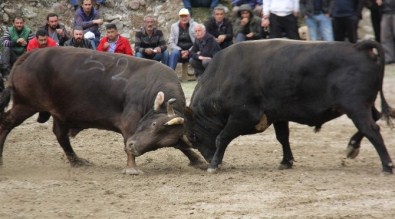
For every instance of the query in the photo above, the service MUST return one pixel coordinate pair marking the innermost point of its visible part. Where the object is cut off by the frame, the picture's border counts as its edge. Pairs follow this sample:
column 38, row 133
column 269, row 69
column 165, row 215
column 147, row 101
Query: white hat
column 89, row 35
column 183, row 11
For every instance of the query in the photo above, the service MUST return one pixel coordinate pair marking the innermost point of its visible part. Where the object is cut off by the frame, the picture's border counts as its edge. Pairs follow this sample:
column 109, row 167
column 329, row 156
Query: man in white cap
column 182, row 37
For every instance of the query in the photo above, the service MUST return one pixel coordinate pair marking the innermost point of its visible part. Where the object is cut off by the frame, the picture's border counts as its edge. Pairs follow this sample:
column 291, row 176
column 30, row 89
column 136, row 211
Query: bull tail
column 387, row 111
column 5, row 98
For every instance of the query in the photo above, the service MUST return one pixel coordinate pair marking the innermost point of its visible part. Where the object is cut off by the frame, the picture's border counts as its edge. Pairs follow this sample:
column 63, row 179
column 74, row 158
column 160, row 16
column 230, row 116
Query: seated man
column 41, row 40
column 247, row 25
column 220, row 27
column 55, row 30
column 203, row 50
column 182, row 37
column 188, row 4
column 78, row 39
column 113, row 42
column 14, row 42
column 150, row 43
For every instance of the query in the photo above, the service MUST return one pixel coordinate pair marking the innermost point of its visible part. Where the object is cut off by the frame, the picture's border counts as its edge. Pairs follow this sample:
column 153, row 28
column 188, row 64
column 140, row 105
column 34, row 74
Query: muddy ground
column 36, row 181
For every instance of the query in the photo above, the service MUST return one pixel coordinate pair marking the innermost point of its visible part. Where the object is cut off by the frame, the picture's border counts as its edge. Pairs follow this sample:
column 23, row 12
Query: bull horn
column 170, row 111
column 160, row 97
column 175, row 121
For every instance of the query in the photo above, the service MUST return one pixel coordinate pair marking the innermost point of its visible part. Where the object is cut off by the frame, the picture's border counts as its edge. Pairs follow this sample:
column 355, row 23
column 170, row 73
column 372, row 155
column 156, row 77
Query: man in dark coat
column 203, row 50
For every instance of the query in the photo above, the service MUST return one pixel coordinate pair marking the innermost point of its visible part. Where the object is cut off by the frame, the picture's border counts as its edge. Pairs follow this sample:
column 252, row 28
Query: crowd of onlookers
column 197, row 43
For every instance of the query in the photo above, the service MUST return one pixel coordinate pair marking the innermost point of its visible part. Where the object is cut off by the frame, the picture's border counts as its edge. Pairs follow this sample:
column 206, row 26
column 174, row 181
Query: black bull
column 255, row 84
column 84, row 89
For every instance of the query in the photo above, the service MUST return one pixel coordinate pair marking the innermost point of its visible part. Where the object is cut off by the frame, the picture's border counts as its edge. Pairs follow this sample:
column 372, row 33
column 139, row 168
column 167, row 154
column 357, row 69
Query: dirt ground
column 36, row 181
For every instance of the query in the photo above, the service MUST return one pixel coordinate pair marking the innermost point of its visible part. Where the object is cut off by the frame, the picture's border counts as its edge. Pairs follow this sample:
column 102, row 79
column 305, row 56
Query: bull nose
column 131, row 146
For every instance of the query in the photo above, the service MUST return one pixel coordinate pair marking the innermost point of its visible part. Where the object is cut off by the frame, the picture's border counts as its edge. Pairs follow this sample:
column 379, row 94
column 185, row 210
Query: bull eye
column 154, row 124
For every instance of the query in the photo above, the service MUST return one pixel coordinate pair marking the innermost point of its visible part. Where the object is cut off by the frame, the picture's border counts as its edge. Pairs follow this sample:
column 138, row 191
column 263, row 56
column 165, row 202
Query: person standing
column 220, row 27
column 114, row 42
column 42, row 40
column 346, row 15
column 281, row 18
column 317, row 18
column 14, row 42
column 388, row 29
column 182, row 37
column 203, row 50
column 78, row 39
column 150, row 42
column 89, row 19
column 55, row 30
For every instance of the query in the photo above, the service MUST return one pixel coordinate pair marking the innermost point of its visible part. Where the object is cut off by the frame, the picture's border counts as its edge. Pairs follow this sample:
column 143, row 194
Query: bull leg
column 355, row 141
column 353, row 145
column 235, row 126
column 131, row 167
column 61, row 132
column 367, row 126
column 194, row 159
column 282, row 135
column 11, row 119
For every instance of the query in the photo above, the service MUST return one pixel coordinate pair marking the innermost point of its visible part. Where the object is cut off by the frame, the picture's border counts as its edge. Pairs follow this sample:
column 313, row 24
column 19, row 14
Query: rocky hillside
column 127, row 14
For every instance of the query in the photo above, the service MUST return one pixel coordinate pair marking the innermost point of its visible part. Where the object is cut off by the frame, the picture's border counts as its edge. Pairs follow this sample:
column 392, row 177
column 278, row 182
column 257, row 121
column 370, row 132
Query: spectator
column 203, row 50
column 220, row 27
column 114, row 43
column 55, row 30
column 256, row 6
column 78, row 39
column 188, row 4
column 247, row 25
column 89, row 19
column 182, row 37
column 14, row 42
column 150, row 42
column 74, row 3
column 317, row 18
column 388, row 29
column 375, row 17
column 42, row 40
column 281, row 18
column 346, row 15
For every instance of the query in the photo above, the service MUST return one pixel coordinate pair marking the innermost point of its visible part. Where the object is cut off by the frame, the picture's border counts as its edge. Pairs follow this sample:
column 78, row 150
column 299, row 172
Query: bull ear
column 189, row 114
column 170, row 110
column 175, row 121
column 160, row 98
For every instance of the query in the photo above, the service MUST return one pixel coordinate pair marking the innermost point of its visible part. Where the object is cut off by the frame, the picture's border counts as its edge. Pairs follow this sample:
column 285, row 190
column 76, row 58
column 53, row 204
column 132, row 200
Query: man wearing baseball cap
column 182, row 37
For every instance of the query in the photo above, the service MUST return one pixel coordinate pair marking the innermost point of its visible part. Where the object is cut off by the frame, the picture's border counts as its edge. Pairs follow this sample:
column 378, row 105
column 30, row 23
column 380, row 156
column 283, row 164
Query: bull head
column 160, row 98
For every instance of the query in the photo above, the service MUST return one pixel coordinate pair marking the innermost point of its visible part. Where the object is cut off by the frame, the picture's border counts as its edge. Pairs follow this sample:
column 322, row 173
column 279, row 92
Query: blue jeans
column 175, row 57
column 200, row 3
column 162, row 57
column 320, row 27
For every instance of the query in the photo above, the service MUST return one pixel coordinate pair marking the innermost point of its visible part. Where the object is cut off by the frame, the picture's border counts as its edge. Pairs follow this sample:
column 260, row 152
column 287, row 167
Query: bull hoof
column 352, row 152
column 80, row 162
column 199, row 164
column 212, row 170
column 286, row 165
column 388, row 170
column 132, row 171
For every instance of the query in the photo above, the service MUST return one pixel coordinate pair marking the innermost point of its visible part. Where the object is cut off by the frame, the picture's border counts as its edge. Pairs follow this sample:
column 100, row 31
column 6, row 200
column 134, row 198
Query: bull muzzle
column 131, row 147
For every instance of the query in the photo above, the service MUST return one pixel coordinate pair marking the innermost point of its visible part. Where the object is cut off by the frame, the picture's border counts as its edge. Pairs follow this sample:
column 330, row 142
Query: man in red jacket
column 41, row 40
column 114, row 42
